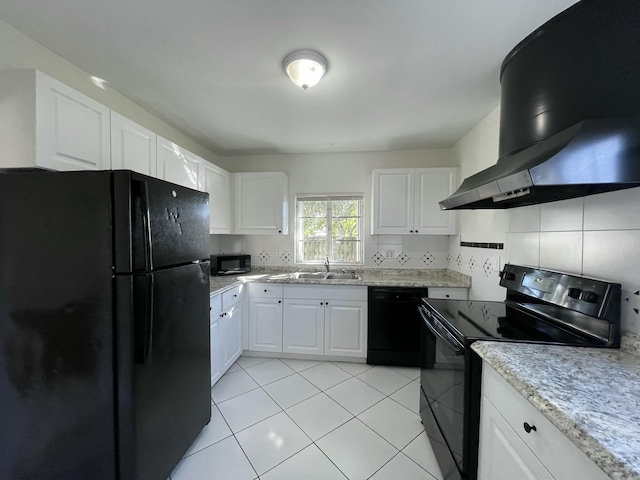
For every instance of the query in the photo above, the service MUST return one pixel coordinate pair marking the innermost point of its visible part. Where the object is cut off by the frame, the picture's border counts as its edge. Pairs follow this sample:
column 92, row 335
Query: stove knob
column 507, row 275
column 574, row 292
column 590, row 297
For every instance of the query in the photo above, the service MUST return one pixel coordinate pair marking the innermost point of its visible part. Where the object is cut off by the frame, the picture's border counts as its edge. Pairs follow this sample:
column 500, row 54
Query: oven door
column 442, row 384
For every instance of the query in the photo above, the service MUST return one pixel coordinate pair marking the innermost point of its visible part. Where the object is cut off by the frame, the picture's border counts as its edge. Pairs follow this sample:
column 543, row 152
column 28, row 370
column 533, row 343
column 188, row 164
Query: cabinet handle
column 528, row 428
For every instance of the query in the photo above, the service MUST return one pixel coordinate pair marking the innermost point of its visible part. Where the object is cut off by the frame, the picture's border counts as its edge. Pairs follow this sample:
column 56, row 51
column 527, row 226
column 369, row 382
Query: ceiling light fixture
column 305, row 68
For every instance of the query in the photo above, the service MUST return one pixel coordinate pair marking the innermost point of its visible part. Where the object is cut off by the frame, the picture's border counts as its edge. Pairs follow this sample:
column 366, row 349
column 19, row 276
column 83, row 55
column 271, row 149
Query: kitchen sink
column 327, row 276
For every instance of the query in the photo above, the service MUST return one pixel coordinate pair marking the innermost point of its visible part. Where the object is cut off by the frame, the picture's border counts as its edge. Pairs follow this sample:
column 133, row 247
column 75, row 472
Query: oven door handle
column 440, row 331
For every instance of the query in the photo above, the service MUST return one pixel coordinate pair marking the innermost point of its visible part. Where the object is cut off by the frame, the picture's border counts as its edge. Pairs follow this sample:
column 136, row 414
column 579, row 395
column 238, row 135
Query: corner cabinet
column 226, row 324
column 133, row 147
column 261, row 203
column 405, row 201
column 517, row 441
column 177, row 165
column 47, row 124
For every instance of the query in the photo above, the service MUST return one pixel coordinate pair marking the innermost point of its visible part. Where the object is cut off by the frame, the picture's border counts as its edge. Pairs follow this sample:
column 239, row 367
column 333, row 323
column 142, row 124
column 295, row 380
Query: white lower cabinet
column 226, row 328
column 303, row 326
column 345, row 328
column 308, row 319
column 510, row 448
column 265, row 317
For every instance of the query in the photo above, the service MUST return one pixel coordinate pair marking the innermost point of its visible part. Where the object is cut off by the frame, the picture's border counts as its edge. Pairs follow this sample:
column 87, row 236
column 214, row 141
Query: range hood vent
column 570, row 112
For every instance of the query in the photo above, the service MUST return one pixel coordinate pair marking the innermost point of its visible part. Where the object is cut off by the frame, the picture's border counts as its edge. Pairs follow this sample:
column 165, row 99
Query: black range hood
column 570, row 111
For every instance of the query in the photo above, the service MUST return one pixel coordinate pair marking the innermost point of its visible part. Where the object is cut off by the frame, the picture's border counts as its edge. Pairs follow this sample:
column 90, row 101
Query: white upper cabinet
column 47, row 124
column 176, row 164
column 217, row 183
column 262, row 203
column 133, row 147
column 405, row 201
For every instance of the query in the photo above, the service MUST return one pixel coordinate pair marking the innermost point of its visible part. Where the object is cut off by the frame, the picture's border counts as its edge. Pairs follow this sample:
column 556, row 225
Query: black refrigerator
column 104, row 324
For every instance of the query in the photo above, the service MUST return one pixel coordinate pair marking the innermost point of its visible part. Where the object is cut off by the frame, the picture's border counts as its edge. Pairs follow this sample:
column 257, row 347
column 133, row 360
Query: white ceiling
column 403, row 74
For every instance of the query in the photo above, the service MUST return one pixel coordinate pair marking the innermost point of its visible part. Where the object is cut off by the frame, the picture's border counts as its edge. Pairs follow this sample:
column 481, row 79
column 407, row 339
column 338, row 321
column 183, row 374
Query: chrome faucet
column 326, row 265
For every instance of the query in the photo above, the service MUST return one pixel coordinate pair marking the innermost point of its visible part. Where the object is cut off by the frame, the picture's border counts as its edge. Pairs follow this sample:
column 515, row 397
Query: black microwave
column 230, row 264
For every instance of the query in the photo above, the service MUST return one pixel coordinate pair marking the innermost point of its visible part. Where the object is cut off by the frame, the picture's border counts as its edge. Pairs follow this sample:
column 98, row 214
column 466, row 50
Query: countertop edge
column 430, row 278
column 598, row 453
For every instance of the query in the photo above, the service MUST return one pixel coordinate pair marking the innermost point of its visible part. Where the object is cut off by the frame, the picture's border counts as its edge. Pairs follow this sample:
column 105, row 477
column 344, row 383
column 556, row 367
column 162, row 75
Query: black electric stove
column 542, row 306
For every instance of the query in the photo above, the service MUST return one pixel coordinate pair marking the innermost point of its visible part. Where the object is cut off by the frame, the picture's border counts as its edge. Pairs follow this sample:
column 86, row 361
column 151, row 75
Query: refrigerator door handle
column 144, row 322
column 148, row 246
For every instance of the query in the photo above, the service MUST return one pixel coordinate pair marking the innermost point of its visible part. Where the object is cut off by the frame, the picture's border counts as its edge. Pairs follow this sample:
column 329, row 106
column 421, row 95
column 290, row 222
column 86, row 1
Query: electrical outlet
column 390, row 253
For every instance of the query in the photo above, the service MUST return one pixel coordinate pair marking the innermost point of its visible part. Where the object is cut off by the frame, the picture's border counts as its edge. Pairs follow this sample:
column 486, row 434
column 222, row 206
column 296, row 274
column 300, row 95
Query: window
column 316, row 216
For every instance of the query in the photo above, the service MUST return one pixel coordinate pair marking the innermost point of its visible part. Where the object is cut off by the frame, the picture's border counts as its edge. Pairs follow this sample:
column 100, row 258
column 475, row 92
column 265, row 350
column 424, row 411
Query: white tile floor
column 286, row 419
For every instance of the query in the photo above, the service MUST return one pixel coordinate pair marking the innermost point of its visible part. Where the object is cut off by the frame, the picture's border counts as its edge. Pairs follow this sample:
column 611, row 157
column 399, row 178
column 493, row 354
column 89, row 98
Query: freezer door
column 168, row 382
column 157, row 224
column 56, row 345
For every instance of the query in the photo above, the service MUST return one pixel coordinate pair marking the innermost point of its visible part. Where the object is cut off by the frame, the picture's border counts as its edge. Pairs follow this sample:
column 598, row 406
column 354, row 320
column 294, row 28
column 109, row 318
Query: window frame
column 299, row 239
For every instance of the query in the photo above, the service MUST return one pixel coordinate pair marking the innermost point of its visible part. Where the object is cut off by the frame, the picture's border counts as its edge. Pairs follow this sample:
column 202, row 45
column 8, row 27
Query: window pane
column 314, row 228
column 345, row 252
column 345, row 228
column 315, row 251
column 314, row 209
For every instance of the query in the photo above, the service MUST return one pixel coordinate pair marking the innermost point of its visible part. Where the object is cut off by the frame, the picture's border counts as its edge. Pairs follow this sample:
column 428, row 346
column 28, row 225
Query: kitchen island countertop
column 370, row 277
column 591, row 395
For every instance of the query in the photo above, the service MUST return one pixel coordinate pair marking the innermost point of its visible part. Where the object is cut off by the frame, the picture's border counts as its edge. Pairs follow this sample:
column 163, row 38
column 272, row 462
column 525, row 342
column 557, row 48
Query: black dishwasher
column 394, row 326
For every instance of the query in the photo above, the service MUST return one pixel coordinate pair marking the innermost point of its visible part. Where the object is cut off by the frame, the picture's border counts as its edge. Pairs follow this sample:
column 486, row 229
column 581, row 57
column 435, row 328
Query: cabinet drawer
column 215, row 302
column 230, row 297
column 326, row 292
column 559, row 455
column 451, row 293
column 265, row 290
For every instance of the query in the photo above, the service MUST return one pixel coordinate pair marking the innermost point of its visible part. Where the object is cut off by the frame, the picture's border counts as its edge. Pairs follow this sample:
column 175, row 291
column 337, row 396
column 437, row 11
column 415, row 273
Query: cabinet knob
column 279, row 301
column 416, row 231
column 265, row 290
column 279, row 231
column 528, row 428
column 234, row 295
column 321, row 303
column 326, row 303
column 410, row 231
column 447, row 295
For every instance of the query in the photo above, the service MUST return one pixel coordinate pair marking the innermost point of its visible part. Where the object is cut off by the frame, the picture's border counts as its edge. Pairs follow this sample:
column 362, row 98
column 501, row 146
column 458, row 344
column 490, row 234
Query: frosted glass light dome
column 305, row 68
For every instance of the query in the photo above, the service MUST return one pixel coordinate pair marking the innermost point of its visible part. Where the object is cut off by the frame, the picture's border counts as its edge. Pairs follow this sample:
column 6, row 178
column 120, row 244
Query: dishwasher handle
column 436, row 327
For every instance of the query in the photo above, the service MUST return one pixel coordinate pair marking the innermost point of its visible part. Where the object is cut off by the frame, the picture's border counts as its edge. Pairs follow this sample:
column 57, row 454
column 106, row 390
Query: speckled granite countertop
column 370, row 277
column 591, row 395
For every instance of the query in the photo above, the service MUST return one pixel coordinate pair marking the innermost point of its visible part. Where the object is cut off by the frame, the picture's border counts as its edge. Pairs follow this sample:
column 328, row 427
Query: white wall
column 339, row 173
column 596, row 236
column 477, row 151
column 19, row 51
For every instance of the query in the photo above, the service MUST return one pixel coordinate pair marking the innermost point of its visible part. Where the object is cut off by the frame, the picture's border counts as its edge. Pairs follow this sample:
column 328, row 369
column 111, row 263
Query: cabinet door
column 303, row 326
column 431, row 186
column 217, row 352
column 232, row 329
column 345, row 328
column 265, row 324
column 133, row 147
column 177, row 165
column 217, row 183
column 261, row 203
column 72, row 130
column 393, row 201
column 502, row 454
